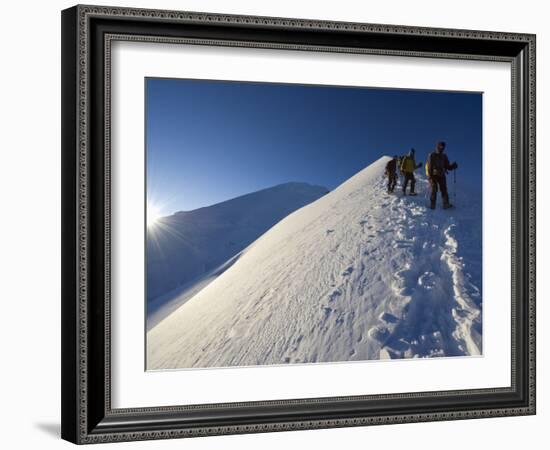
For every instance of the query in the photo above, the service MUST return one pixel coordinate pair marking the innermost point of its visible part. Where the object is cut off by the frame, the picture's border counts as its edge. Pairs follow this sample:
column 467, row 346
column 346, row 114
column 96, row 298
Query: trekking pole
column 426, row 185
column 454, row 186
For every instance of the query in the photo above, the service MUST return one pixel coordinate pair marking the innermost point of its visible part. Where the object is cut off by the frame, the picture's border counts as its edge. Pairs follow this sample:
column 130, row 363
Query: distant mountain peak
column 278, row 187
column 189, row 244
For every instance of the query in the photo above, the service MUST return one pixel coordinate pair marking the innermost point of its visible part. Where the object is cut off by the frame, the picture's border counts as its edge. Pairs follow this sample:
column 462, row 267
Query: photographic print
column 298, row 224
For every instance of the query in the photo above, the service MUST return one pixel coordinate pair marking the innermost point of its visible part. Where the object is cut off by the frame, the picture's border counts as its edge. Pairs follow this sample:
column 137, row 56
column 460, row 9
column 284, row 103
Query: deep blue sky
column 209, row 141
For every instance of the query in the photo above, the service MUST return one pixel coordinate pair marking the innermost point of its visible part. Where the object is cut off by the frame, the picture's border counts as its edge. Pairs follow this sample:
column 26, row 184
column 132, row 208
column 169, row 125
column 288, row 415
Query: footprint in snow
column 427, row 280
column 402, row 243
column 379, row 333
column 327, row 312
column 348, row 271
column 388, row 318
column 334, row 295
column 402, row 282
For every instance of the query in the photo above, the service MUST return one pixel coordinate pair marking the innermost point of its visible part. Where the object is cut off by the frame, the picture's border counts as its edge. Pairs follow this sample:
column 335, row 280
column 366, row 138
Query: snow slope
column 358, row 274
column 187, row 246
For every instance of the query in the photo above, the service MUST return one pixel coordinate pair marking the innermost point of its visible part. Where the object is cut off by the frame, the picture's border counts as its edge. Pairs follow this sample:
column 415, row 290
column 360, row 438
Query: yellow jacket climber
column 407, row 168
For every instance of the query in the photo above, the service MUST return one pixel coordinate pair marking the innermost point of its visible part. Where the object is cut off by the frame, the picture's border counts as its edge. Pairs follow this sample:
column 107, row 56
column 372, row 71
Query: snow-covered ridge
column 357, row 274
column 186, row 246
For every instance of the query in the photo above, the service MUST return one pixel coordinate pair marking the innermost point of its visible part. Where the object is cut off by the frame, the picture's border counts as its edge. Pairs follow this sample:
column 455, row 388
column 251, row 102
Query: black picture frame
column 87, row 415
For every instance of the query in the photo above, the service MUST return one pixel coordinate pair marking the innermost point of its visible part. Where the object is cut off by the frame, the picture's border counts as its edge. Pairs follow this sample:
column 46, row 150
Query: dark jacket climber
column 407, row 168
column 437, row 167
column 391, row 173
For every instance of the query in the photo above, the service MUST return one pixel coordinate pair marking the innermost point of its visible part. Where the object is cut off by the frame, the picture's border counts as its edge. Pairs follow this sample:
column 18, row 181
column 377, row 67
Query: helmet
column 440, row 146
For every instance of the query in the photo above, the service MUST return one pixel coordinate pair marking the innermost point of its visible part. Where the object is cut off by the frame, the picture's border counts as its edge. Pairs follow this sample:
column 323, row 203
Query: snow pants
column 408, row 176
column 439, row 182
column 392, row 181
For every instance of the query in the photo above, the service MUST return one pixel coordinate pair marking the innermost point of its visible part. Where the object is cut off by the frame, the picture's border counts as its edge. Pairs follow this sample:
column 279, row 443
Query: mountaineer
column 391, row 173
column 437, row 167
column 407, row 167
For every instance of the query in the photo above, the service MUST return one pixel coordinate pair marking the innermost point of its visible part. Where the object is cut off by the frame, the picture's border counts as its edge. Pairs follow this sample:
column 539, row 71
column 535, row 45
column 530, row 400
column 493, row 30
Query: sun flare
column 153, row 215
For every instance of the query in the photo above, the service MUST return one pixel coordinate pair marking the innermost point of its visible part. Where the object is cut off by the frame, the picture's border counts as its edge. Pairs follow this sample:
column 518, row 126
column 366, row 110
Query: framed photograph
column 277, row 224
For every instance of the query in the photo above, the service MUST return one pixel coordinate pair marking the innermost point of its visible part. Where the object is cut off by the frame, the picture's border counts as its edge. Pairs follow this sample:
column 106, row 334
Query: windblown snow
column 356, row 275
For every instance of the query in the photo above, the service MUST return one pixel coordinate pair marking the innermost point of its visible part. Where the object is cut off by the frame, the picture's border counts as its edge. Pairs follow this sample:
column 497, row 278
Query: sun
column 153, row 214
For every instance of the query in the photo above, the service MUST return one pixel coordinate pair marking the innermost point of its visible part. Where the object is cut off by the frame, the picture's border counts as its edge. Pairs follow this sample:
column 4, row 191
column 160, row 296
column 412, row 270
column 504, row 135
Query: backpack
column 407, row 164
column 391, row 166
column 439, row 162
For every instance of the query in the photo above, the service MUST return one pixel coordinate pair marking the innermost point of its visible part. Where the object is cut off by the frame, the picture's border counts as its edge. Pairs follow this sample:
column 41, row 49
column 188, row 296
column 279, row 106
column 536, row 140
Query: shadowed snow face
column 186, row 246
